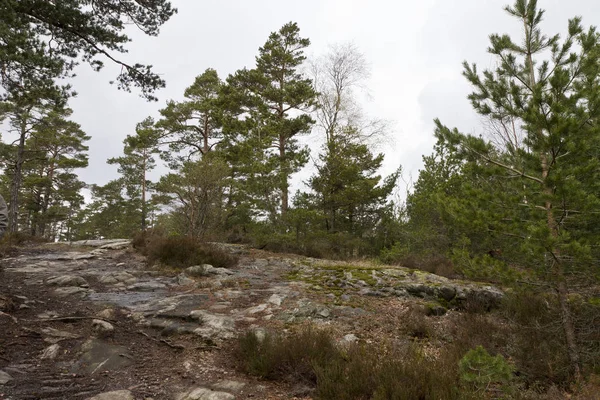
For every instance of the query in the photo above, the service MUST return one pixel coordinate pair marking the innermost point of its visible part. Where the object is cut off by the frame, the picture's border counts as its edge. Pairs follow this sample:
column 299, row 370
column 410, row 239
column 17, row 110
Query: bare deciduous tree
column 338, row 77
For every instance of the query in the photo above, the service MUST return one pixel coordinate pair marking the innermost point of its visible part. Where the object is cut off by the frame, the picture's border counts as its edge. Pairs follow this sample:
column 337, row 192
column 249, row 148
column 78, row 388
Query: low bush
column 352, row 372
column 289, row 358
column 416, row 324
column 482, row 371
column 181, row 251
column 432, row 263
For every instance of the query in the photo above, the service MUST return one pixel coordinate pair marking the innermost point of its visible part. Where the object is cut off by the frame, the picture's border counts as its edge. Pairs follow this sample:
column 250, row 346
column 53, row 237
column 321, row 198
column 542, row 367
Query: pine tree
column 110, row 214
column 550, row 89
column 136, row 162
column 24, row 112
column 45, row 40
column 274, row 101
column 57, row 148
column 195, row 194
column 193, row 126
column 348, row 190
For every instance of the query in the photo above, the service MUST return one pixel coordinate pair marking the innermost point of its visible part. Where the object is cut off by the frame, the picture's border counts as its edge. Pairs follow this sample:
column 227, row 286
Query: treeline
column 233, row 147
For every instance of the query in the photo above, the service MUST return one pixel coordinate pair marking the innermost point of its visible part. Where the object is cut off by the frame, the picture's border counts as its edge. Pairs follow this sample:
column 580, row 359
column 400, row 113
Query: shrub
column 480, row 371
column 355, row 372
column 181, row 251
column 291, row 358
column 537, row 338
column 408, row 374
column 416, row 324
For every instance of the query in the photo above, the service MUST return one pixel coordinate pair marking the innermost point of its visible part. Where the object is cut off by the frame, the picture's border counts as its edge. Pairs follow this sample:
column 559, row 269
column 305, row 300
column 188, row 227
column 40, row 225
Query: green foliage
column 110, row 215
column 197, row 196
column 44, row 41
column 134, row 165
column 40, row 165
column 347, row 188
column 479, row 370
column 193, row 127
column 266, row 109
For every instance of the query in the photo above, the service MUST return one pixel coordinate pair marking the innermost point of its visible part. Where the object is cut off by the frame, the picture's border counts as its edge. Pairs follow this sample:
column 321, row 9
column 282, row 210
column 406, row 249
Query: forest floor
column 93, row 320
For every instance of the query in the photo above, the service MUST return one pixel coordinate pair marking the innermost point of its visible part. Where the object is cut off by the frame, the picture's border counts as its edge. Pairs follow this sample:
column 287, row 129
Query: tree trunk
column 284, row 176
column 144, row 192
column 13, row 213
column 46, row 202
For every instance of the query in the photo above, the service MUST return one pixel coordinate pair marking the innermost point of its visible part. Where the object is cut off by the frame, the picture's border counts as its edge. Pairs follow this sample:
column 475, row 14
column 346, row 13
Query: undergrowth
column 181, row 251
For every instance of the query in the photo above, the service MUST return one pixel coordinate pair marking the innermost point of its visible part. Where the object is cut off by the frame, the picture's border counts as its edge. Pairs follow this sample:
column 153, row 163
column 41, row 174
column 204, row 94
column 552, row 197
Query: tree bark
column 13, row 214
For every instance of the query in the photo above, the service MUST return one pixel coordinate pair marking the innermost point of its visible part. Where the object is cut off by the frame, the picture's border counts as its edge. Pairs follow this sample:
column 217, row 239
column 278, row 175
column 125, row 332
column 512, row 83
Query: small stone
column 115, row 395
column 199, row 270
column 103, row 328
column 107, row 313
column 202, row 393
column 50, row 352
column 276, row 299
column 260, row 334
column 4, row 378
column 69, row 291
column 256, row 309
column 229, row 386
column 350, row 338
column 323, row 312
column 55, row 336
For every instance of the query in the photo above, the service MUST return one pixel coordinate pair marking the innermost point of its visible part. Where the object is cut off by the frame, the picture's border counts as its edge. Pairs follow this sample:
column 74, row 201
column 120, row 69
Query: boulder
column 117, row 277
column 214, row 326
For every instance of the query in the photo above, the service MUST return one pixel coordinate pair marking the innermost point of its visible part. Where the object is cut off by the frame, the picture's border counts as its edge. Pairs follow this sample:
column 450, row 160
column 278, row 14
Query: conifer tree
column 193, row 126
column 550, row 88
column 56, row 147
column 136, row 162
column 44, row 40
column 274, row 101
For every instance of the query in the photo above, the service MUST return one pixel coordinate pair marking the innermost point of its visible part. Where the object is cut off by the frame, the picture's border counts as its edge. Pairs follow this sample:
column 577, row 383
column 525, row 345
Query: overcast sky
column 415, row 50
